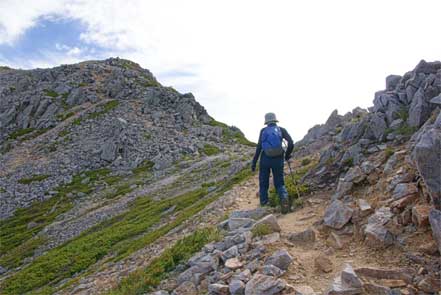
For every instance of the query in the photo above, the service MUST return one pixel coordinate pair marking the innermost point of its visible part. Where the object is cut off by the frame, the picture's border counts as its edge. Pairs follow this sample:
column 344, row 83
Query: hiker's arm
column 288, row 138
column 258, row 149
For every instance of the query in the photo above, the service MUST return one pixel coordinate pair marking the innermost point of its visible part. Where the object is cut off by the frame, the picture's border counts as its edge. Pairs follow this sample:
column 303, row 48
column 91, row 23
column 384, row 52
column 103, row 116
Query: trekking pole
column 293, row 178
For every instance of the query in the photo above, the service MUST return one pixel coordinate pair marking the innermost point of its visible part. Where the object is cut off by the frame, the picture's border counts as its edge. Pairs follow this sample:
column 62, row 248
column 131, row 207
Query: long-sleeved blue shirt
column 285, row 135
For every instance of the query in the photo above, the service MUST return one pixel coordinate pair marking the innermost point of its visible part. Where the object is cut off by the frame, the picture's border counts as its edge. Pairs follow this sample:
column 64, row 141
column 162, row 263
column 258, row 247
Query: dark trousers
column 274, row 165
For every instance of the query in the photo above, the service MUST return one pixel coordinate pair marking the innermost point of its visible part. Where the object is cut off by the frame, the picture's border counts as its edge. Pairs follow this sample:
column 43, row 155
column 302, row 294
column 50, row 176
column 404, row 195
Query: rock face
column 427, row 157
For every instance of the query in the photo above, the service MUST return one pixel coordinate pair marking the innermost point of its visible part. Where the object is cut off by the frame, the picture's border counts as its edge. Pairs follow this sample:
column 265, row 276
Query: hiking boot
column 284, row 203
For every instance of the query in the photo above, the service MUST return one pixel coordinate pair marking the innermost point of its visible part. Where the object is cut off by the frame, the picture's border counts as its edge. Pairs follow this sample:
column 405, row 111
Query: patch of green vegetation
column 65, row 95
column 64, row 132
column 210, row 150
column 16, row 232
column 403, row 114
column 20, row 132
column 15, row 256
column 12, row 88
column 150, row 83
column 142, row 281
column 52, row 147
column 107, row 107
column 50, row 93
column 330, row 161
column 225, row 164
column 389, row 152
column 120, row 236
column 306, row 161
column 261, row 230
column 64, row 116
column 230, row 133
column 147, row 135
column 3, row 68
column 145, row 166
column 83, row 84
column 120, row 190
column 33, row 178
column 406, row 130
column 349, row 162
column 77, row 121
column 2, row 190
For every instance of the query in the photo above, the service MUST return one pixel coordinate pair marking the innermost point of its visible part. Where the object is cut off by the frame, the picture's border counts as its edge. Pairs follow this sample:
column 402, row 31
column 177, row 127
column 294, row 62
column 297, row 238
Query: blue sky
column 241, row 59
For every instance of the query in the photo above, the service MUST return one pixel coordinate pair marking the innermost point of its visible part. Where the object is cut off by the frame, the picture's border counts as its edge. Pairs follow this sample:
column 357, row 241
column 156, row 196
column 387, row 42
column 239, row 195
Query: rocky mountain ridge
column 376, row 175
column 367, row 220
column 101, row 148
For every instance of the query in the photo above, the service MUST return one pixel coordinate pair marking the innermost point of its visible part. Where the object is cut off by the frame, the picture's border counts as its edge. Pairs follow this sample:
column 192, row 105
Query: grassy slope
column 118, row 237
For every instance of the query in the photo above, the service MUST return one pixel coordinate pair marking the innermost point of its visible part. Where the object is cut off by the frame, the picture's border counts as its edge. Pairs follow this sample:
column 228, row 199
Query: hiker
column 272, row 159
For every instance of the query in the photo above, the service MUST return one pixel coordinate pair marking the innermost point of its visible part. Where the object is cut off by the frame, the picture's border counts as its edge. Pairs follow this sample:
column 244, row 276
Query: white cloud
column 300, row 59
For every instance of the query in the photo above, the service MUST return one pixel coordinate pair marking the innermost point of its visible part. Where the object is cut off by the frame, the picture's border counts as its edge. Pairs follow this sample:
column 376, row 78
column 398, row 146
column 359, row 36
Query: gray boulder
column 264, row 285
column 355, row 175
column 304, row 237
column 281, row 258
column 272, row 270
column 237, row 287
column 337, row 214
column 419, row 110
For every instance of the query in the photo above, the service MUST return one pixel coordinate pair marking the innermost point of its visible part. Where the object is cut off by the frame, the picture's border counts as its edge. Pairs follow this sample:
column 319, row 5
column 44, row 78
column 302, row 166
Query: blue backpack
column 272, row 141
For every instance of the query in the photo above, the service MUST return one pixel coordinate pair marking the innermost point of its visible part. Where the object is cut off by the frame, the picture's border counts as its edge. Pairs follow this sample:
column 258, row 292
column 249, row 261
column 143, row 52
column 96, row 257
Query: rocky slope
column 370, row 218
column 99, row 160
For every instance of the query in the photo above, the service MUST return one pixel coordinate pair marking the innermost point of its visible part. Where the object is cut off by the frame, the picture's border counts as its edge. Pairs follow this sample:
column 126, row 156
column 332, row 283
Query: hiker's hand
column 253, row 167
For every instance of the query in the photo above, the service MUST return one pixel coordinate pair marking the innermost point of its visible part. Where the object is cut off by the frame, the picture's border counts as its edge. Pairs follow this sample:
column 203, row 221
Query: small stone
column 218, row 289
column 376, row 289
column 323, row 263
column 420, row 215
column 377, row 236
column 365, row 208
column 237, row 223
column 404, row 189
column 304, row 237
column 233, row 263
column 304, row 290
column 281, row 258
column 350, row 278
column 237, row 287
column 186, row 288
column 271, row 270
column 338, row 242
column 261, row 284
column 270, row 222
column 429, row 248
column 230, row 253
column 338, row 288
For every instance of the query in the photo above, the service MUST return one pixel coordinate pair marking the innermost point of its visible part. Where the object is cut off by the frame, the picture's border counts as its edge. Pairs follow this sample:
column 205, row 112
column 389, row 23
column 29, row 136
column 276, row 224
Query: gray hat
column 270, row 118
